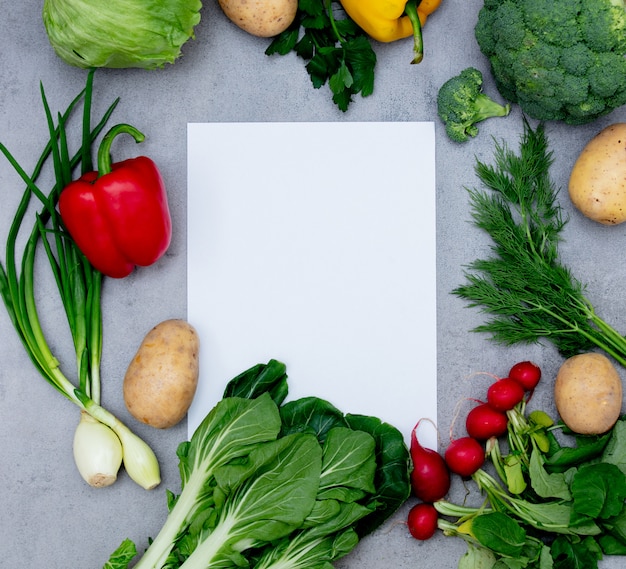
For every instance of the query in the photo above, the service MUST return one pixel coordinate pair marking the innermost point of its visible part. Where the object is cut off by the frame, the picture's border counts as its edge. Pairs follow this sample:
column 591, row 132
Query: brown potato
column 588, row 393
column 161, row 380
column 262, row 18
column 597, row 185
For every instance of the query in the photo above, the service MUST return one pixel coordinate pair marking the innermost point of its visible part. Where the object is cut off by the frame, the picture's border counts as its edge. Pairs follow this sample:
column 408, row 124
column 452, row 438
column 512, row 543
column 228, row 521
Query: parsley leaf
column 337, row 52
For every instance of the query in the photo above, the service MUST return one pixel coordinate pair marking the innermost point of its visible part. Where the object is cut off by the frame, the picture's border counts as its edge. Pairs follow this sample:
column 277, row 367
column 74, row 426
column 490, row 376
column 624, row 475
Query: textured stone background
column 50, row 518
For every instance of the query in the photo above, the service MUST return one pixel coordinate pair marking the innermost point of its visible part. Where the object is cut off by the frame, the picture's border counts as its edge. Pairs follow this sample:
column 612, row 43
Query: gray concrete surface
column 49, row 517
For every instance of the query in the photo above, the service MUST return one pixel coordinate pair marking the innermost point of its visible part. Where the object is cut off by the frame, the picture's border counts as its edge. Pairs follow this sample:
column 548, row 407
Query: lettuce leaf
column 120, row 33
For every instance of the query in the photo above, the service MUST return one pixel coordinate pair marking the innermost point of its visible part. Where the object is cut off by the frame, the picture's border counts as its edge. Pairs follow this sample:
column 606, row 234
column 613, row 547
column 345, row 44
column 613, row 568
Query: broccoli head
column 461, row 104
column 562, row 60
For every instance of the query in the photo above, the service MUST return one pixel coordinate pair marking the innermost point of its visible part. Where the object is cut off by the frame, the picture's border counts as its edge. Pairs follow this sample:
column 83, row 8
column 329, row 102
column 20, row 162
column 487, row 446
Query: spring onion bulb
column 97, row 452
column 139, row 460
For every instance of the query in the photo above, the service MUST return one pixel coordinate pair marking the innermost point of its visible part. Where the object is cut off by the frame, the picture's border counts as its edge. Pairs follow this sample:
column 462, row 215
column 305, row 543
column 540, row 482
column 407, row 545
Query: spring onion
column 78, row 283
column 97, row 452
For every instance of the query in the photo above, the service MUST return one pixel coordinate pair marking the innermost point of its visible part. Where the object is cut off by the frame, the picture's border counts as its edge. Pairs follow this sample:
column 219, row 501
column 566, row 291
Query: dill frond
column 526, row 292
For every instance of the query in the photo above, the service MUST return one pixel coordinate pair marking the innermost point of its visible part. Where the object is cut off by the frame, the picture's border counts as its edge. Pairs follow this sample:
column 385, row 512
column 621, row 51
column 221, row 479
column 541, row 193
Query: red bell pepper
column 118, row 216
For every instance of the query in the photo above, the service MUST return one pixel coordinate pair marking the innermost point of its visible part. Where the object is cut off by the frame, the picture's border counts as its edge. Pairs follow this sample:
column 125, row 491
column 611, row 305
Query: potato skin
column 588, row 393
column 161, row 380
column 597, row 184
column 262, row 18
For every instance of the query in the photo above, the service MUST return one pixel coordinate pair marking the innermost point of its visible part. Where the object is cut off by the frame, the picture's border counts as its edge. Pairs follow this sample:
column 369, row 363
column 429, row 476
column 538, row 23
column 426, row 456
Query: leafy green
column 311, row 414
column 615, row 450
column 560, row 458
column 294, row 485
column 308, row 551
column 122, row 556
column 347, row 475
column 349, row 466
column 613, row 542
column 477, row 558
column 336, row 50
column 598, row 490
column 120, row 33
column 231, row 430
column 500, row 533
column 392, row 485
column 270, row 377
column 262, row 501
column 575, row 553
column 569, row 519
column 546, row 484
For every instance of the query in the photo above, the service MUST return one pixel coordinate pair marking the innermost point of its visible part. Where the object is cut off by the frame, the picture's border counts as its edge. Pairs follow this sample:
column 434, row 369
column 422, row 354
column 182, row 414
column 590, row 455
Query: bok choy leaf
column 230, row 430
column 272, row 485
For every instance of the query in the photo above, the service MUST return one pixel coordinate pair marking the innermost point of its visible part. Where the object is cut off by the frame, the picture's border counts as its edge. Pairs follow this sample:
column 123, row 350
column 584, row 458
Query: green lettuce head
column 120, row 33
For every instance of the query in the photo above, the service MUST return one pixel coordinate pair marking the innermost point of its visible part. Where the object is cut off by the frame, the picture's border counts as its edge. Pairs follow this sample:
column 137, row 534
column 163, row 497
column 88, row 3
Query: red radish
column 465, row 456
column 430, row 478
column 422, row 521
column 527, row 374
column 484, row 422
column 505, row 394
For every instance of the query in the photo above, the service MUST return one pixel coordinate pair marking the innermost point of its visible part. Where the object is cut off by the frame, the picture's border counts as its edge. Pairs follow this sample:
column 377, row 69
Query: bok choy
column 79, row 286
column 269, row 485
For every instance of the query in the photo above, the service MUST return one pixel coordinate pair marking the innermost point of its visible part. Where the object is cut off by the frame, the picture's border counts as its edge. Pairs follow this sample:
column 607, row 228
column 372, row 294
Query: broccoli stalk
column 461, row 104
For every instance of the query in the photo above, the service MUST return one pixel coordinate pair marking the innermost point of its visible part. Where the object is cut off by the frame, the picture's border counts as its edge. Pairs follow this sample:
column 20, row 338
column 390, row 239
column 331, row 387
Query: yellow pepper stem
column 418, row 43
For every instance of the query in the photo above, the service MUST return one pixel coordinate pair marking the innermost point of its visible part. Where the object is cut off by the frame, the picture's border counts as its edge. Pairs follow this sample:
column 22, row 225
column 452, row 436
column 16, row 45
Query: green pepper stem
column 418, row 43
column 104, row 150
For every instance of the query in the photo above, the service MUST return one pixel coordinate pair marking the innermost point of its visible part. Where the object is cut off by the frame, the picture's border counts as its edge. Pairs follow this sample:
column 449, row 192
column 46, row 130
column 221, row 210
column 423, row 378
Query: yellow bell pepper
column 391, row 20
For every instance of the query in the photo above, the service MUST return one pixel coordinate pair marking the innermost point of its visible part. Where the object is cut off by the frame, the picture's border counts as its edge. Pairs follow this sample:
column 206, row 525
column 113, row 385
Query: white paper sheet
column 314, row 244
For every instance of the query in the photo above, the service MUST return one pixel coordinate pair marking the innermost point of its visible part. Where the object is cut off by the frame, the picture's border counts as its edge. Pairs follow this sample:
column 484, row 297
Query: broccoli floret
column 577, row 60
column 461, row 104
column 561, row 60
column 553, row 21
column 605, row 73
column 604, row 29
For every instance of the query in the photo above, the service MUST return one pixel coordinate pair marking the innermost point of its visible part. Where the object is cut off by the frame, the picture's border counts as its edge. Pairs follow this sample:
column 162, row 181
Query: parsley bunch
column 335, row 49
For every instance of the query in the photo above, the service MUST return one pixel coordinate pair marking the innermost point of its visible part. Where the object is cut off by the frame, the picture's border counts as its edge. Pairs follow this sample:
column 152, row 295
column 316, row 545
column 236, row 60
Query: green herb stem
column 493, row 450
column 462, row 513
column 452, row 530
column 550, row 516
column 526, row 291
column 333, row 24
column 94, row 341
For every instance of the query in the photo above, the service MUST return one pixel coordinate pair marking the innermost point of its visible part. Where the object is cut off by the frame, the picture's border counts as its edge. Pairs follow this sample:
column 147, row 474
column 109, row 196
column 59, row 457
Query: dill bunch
column 527, row 292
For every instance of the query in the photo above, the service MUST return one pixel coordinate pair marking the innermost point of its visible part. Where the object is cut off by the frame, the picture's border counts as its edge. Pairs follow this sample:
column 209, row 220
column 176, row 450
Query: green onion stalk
column 101, row 440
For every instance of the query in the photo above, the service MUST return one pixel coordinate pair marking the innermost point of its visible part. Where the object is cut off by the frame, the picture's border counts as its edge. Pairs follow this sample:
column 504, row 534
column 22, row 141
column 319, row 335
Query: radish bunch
column 431, row 474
